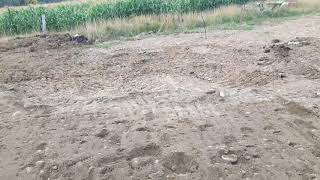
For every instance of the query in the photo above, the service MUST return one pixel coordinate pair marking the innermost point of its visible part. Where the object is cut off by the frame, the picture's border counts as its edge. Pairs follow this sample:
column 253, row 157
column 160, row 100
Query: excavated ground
column 237, row 105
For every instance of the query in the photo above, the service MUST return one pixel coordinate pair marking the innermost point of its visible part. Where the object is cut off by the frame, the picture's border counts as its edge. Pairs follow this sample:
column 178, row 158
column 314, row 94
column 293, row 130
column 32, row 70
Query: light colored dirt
column 169, row 107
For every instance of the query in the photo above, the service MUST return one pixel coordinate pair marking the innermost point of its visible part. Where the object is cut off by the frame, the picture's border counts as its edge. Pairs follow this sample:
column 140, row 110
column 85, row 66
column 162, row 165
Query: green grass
column 66, row 17
column 231, row 17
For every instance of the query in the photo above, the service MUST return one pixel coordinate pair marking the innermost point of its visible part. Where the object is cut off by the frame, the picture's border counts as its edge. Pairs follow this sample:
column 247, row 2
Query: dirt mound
column 255, row 78
column 43, row 42
column 282, row 50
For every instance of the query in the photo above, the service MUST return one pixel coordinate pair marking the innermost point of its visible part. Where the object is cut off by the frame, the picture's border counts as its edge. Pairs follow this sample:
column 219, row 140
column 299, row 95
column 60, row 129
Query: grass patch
column 97, row 21
column 230, row 17
column 65, row 17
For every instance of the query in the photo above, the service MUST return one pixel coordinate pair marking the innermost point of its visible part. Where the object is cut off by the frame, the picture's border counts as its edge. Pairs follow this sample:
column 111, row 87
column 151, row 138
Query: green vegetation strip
column 236, row 20
column 65, row 17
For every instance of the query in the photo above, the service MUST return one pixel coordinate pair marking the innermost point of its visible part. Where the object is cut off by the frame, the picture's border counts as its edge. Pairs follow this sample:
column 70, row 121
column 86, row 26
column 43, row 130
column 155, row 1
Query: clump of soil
column 280, row 50
column 44, row 42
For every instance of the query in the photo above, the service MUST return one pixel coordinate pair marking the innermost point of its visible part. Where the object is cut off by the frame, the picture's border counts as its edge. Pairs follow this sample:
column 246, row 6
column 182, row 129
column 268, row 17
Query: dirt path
column 238, row 105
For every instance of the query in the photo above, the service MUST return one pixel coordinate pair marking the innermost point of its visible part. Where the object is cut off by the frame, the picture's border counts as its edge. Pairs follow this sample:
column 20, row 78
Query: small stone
column 282, row 75
column 54, row 167
column 275, row 40
column 156, row 175
column 211, row 92
column 42, row 173
column 267, row 51
column 89, row 102
column 222, row 94
column 106, row 169
column 41, row 146
column 277, row 109
column 90, row 171
column 39, row 152
column 29, row 170
column 16, row 114
column 292, row 144
column 194, row 168
column 232, row 158
column 250, row 145
column 294, row 43
column 171, row 177
column 32, row 49
column 183, row 176
column 40, row 164
column 255, row 155
column 140, row 162
column 103, row 133
column 135, row 163
column 276, row 131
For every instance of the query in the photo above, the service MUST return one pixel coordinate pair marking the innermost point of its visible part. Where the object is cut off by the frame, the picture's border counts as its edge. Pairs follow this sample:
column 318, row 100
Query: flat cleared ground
column 237, row 105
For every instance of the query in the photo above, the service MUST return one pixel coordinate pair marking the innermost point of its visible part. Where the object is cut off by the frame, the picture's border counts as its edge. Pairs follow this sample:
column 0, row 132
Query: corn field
column 65, row 17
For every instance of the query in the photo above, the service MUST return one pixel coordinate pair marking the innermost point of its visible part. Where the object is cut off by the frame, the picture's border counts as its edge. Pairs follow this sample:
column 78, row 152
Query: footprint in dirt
column 295, row 108
column 229, row 139
column 165, row 140
column 246, row 131
column 151, row 149
column 180, row 163
column 304, row 124
column 272, row 129
column 305, row 130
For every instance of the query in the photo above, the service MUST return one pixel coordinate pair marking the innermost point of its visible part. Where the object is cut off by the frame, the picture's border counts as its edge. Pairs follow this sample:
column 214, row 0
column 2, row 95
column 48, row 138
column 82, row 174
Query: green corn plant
column 65, row 17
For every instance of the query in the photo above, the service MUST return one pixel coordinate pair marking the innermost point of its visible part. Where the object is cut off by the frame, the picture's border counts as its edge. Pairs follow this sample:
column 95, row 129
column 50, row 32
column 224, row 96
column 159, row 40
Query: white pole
column 44, row 24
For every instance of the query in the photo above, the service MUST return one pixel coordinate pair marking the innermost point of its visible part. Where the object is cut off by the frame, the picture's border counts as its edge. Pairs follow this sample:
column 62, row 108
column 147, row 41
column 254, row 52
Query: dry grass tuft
column 309, row 4
column 156, row 23
column 167, row 23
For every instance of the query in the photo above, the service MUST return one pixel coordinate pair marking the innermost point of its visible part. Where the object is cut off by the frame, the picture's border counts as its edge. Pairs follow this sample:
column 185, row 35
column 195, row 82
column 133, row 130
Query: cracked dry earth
column 237, row 105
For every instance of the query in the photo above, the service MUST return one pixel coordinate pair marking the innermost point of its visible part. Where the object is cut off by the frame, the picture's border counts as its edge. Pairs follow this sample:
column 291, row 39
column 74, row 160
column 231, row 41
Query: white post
column 43, row 24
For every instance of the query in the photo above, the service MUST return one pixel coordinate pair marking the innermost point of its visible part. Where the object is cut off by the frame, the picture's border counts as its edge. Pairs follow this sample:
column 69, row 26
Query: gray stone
column 231, row 158
column 29, row 170
column 140, row 162
column 40, row 164
column 103, row 133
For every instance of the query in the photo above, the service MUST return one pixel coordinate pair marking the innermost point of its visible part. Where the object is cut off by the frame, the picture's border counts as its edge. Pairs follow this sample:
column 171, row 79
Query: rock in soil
column 231, row 158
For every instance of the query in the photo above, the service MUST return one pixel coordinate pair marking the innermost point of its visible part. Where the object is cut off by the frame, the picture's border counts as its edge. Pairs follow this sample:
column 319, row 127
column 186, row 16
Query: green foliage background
column 65, row 17
column 23, row 2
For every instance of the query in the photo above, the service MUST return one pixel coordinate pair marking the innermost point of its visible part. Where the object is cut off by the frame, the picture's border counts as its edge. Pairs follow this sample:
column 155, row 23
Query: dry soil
column 237, row 105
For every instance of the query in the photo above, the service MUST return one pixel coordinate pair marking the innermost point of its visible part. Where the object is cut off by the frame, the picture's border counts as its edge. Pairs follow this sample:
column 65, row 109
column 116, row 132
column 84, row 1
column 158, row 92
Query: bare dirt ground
column 237, row 105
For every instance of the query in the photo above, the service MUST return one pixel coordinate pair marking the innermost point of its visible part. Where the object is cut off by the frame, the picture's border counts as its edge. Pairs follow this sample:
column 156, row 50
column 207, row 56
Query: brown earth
column 237, row 105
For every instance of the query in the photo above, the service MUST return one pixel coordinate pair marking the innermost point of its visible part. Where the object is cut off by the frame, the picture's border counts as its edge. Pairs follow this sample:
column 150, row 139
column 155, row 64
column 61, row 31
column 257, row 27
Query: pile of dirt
column 282, row 50
column 279, row 49
column 255, row 78
column 44, row 42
